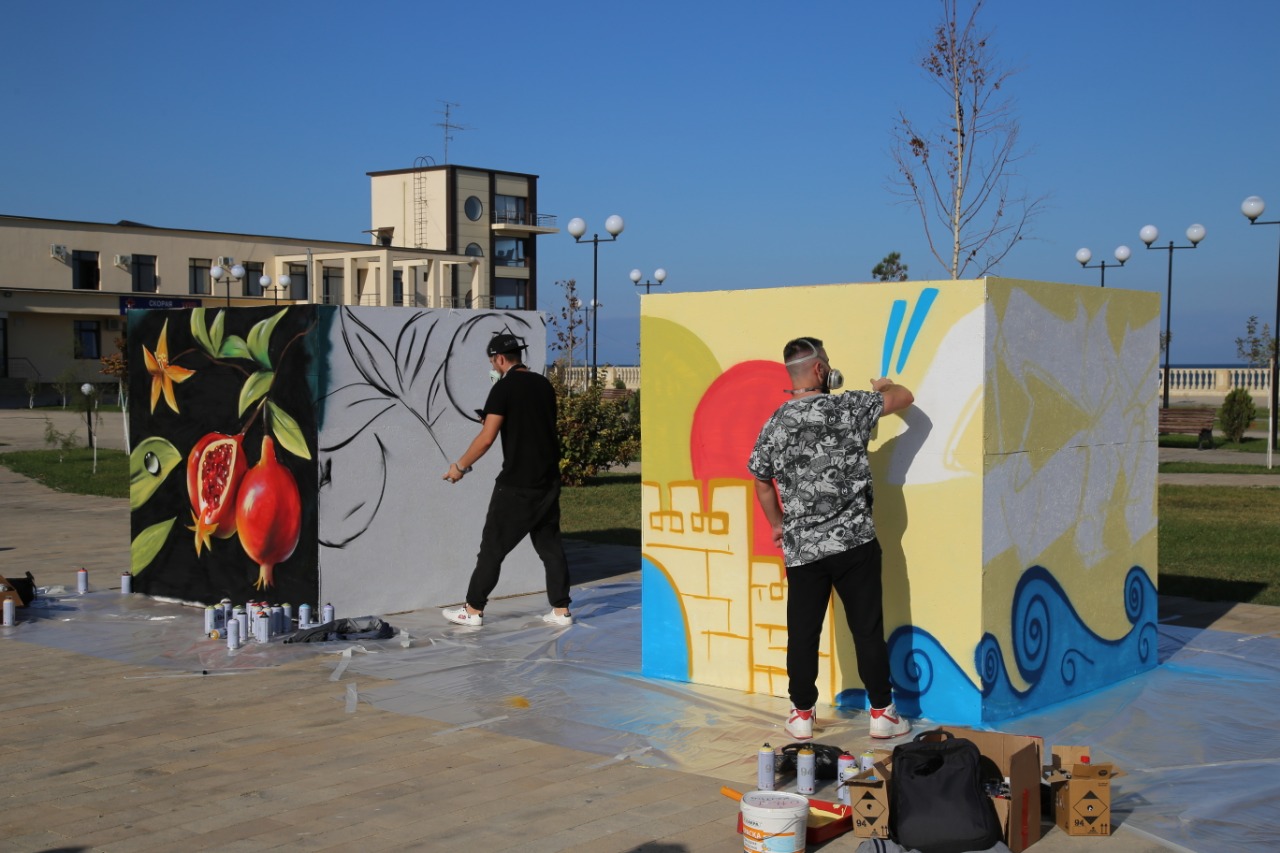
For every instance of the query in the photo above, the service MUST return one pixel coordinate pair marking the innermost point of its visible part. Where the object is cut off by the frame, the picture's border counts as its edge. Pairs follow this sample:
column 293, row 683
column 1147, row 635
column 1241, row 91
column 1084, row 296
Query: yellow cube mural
column 1015, row 502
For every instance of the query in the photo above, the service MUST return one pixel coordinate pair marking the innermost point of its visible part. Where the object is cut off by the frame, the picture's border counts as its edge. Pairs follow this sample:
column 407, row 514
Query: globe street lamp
column 220, row 273
column 1084, row 255
column 1252, row 207
column 1149, row 234
column 282, row 283
column 660, row 275
column 578, row 227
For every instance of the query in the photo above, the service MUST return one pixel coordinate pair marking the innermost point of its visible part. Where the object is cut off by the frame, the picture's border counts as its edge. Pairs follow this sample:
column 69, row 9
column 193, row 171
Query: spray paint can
column 288, row 617
column 764, row 768
column 278, row 625
column 243, row 618
column 805, row 771
column 225, row 607
column 9, row 613
column 327, row 613
column 262, row 627
column 82, row 581
column 867, row 760
column 233, row 634
column 210, row 620
column 126, row 583
column 846, row 769
column 304, row 615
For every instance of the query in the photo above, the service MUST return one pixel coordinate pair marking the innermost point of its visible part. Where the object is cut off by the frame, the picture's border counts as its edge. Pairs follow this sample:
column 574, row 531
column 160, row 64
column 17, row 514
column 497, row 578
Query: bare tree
column 961, row 174
column 567, row 324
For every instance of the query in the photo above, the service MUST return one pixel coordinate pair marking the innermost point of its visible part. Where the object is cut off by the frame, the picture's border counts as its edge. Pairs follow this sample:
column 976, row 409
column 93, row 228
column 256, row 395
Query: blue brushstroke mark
column 927, row 681
column 913, row 328
column 891, row 333
column 664, row 652
column 1056, row 653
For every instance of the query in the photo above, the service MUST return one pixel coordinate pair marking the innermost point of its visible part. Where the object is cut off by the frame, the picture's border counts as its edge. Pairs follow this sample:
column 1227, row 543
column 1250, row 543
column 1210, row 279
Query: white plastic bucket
column 774, row 822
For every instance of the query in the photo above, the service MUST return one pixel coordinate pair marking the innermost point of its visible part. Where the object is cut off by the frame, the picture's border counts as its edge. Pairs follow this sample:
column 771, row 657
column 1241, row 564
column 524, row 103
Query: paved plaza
column 100, row 754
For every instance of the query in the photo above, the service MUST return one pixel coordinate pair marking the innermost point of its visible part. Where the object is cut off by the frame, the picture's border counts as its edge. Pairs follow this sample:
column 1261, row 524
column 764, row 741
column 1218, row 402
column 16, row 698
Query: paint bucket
column 774, row 822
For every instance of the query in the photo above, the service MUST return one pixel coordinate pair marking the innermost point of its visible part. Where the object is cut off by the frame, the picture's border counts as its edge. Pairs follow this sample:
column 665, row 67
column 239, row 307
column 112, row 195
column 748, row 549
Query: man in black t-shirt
column 521, row 409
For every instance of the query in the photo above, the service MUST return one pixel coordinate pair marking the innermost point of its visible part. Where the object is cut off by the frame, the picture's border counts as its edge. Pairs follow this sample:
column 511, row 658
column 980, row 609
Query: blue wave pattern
column 1055, row 653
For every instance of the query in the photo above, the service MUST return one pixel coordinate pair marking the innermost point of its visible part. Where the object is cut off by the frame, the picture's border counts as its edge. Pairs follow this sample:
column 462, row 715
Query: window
column 198, row 278
column 509, row 252
column 84, row 270
column 298, row 285
column 253, row 278
column 88, row 342
column 331, row 287
column 510, row 293
column 143, row 268
column 474, row 208
column 509, row 208
column 397, row 287
column 474, row 250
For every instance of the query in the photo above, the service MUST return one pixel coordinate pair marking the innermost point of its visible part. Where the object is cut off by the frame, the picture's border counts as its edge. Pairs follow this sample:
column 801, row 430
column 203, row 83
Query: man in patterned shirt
column 815, row 448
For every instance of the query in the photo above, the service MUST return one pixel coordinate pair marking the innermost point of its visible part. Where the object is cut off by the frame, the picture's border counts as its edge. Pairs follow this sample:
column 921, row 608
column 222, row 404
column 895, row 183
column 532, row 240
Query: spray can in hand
column 805, row 769
column 765, row 768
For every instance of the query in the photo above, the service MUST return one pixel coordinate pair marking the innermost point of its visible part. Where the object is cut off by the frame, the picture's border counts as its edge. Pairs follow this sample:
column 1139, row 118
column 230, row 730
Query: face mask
column 494, row 376
column 833, row 382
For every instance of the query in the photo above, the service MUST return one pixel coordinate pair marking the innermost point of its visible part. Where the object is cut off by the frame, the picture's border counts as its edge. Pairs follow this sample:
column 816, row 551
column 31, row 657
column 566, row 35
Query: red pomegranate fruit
column 268, row 514
column 215, row 467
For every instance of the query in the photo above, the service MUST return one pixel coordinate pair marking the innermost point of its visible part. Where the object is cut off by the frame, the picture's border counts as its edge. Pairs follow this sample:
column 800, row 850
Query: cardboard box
column 1019, row 758
column 869, row 798
column 1081, row 791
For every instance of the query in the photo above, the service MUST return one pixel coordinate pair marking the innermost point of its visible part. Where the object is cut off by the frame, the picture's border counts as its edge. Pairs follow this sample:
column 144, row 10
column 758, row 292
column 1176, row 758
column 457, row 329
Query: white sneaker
column 460, row 616
column 554, row 618
column 800, row 723
column 887, row 722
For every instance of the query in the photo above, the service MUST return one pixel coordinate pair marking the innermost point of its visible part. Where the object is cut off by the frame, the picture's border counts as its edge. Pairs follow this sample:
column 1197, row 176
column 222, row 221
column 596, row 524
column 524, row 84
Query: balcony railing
column 535, row 220
column 1215, row 382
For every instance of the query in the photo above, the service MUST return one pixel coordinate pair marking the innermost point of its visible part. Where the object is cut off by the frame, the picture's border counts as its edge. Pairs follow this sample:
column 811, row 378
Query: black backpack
column 937, row 800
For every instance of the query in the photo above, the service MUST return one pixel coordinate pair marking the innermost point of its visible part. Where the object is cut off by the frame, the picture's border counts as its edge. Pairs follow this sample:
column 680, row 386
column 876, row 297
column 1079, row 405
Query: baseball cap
column 504, row 343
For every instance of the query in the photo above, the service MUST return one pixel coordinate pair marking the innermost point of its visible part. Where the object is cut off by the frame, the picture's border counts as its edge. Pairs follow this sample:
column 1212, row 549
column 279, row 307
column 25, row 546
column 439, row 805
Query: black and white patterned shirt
column 816, row 450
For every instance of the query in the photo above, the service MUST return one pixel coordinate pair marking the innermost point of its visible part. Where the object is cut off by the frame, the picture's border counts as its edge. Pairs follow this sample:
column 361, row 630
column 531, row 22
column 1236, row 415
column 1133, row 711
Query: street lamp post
column 220, row 273
column 1252, row 207
column 1149, row 234
column 660, row 275
column 282, row 283
column 577, row 228
column 1084, row 255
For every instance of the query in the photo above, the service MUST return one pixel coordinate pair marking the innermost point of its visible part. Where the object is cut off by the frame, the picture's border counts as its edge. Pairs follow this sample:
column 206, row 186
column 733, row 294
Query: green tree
column 1256, row 347
column 567, row 326
column 594, row 433
column 890, row 269
column 1236, row 414
column 960, row 175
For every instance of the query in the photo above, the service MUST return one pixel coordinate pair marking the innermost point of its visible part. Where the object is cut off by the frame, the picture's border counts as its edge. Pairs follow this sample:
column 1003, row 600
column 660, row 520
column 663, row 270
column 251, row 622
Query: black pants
column 855, row 576
column 513, row 514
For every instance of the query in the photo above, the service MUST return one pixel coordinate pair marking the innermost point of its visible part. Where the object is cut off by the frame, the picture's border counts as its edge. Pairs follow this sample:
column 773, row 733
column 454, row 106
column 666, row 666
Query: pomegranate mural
column 229, row 399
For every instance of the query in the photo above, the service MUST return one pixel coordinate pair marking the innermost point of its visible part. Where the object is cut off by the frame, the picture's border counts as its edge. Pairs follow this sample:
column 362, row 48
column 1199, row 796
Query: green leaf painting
column 149, row 542
column 287, row 432
column 260, row 338
column 234, row 347
column 254, row 387
column 149, row 463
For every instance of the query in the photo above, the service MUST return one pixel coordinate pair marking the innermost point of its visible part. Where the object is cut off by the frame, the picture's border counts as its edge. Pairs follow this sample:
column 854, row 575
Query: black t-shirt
column 530, row 444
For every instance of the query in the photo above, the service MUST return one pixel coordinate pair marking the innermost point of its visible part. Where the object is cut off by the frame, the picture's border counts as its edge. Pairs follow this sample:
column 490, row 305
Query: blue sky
column 745, row 144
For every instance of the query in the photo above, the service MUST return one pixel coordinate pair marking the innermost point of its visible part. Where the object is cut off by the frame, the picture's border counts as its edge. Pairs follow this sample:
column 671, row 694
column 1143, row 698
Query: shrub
column 594, row 433
column 1236, row 414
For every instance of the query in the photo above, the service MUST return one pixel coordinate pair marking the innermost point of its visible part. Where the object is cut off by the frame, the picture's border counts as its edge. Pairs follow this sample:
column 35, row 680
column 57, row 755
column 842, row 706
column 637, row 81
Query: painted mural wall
column 295, row 454
column 1015, row 501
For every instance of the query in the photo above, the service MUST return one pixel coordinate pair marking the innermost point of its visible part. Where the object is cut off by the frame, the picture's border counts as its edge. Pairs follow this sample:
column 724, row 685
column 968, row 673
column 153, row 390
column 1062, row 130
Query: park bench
column 615, row 393
column 1197, row 422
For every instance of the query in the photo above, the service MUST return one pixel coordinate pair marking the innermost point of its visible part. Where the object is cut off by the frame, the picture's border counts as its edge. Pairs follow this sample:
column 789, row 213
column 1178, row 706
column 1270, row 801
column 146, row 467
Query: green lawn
column 605, row 509
column 75, row 472
column 1214, row 468
column 1219, row 543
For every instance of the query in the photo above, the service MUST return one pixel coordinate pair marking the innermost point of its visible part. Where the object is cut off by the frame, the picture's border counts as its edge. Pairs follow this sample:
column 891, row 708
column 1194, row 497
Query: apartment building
column 66, row 285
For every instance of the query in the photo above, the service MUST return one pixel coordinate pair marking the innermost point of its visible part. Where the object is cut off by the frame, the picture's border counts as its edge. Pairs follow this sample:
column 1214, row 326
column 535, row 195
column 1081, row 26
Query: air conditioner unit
column 59, row 251
column 123, row 261
column 225, row 263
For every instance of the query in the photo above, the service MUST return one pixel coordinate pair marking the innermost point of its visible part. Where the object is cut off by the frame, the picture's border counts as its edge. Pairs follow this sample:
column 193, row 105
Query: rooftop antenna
column 448, row 126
